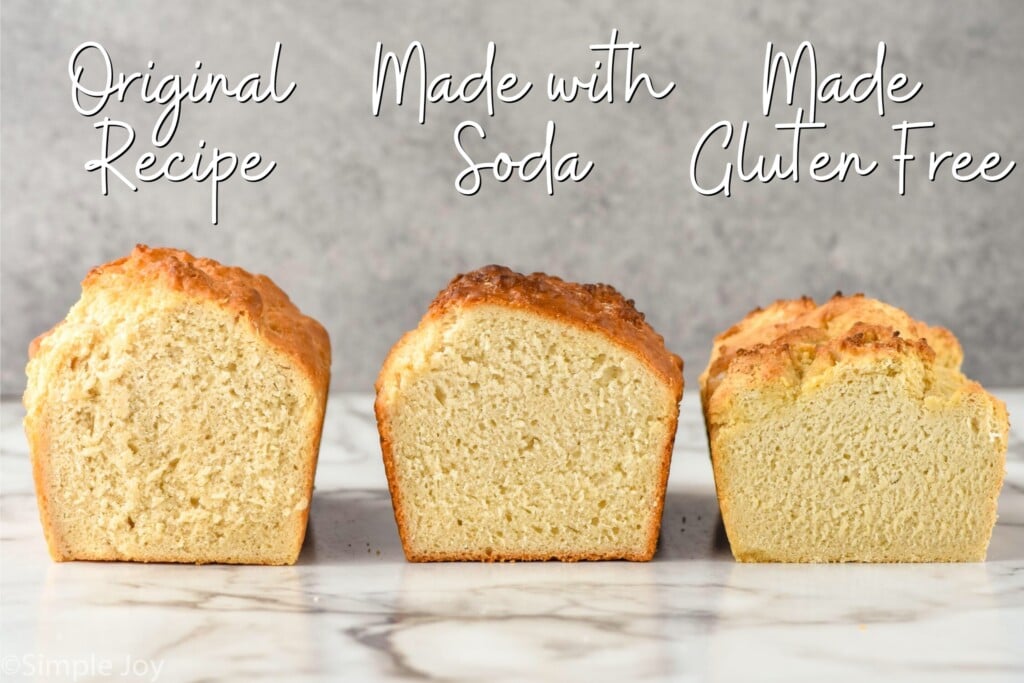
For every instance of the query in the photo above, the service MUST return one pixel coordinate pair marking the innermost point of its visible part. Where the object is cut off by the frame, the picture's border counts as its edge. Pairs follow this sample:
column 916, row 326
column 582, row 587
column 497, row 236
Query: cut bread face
column 169, row 425
column 511, row 433
column 846, row 432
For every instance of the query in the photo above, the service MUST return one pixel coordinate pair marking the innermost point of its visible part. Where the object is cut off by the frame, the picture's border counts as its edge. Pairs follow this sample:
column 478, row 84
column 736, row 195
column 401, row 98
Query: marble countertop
column 352, row 608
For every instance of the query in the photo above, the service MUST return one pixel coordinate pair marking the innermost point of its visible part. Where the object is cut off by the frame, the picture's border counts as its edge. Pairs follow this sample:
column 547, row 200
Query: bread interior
column 877, row 460
column 518, row 436
column 170, row 433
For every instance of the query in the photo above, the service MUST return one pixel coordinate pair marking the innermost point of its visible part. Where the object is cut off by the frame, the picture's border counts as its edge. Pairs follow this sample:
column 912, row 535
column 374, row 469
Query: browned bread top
column 254, row 297
column 798, row 337
column 596, row 307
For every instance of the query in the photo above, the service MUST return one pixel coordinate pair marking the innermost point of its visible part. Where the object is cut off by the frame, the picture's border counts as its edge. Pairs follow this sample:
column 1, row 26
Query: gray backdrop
column 360, row 222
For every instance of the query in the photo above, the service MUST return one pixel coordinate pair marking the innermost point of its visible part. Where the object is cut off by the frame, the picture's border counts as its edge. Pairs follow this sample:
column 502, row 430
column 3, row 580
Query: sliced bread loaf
column 528, row 418
column 175, row 415
column 847, row 432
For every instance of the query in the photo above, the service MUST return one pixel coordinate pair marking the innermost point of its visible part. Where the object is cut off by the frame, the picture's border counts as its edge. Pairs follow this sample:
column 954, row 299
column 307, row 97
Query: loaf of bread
column 528, row 418
column 175, row 415
column 846, row 433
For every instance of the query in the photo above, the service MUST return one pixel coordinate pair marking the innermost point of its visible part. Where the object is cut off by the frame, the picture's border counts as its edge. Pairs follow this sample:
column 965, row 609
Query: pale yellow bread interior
column 513, row 434
column 163, row 424
column 846, row 432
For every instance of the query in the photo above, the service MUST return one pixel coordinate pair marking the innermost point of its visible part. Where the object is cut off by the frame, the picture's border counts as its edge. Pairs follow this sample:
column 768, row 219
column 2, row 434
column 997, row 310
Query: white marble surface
column 353, row 609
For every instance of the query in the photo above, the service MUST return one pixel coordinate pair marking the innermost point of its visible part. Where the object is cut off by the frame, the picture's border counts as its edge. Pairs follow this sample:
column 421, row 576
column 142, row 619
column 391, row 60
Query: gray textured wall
column 360, row 223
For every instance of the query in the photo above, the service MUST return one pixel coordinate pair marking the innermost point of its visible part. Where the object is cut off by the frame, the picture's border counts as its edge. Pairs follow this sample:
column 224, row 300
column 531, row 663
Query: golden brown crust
column 470, row 556
column 255, row 297
column 798, row 337
column 593, row 307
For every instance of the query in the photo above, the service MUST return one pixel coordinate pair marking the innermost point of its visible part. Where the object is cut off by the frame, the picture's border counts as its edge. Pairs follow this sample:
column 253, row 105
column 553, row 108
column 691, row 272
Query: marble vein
column 353, row 606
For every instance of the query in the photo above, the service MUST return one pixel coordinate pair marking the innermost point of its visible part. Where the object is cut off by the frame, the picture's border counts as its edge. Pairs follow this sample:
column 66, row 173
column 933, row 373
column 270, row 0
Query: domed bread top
column 255, row 297
column 596, row 307
column 799, row 338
